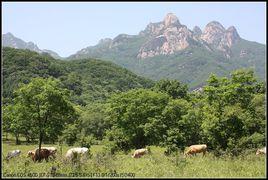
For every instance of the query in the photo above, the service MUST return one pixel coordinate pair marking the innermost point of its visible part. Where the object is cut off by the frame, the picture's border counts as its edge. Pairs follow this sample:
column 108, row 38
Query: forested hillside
column 88, row 79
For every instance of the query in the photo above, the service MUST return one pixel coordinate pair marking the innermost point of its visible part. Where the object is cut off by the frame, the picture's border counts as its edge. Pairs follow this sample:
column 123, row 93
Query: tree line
column 228, row 115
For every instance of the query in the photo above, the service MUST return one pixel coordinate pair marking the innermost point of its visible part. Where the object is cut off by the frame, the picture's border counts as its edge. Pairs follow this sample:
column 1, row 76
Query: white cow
column 193, row 149
column 261, row 151
column 139, row 152
column 71, row 153
column 13, row 153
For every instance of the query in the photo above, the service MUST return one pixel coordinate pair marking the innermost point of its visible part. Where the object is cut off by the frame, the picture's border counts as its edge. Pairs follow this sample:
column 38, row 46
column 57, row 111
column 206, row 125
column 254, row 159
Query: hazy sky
column 68, row 27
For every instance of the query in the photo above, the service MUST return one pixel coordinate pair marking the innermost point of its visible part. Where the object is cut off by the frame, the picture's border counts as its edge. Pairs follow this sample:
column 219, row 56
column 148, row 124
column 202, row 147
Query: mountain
column 9, row 40
column 88, row 79
column 169, row 49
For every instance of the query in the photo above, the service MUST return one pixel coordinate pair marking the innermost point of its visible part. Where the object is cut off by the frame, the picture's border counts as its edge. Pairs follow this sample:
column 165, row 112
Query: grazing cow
column 52, row 151
column 13, row 153
column 261, row 151
column 74, row 152
column 139, row 152
column 44, row 154
column 193, row 149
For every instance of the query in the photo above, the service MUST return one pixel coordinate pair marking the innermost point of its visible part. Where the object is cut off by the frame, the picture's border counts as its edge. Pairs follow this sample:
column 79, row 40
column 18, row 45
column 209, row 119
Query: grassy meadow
column 155, row 164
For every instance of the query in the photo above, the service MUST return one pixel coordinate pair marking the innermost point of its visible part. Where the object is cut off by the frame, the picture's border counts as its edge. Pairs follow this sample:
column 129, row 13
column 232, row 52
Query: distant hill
column 168, row 49
column 89, row 79
column 9, row 40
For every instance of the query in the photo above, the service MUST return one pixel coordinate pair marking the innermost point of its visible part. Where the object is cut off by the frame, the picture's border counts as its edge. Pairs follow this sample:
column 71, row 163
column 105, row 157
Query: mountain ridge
column 9, row 40
column 169, row 49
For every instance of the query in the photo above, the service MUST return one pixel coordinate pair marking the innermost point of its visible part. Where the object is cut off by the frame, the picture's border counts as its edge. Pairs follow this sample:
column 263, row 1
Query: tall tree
column 47, row 106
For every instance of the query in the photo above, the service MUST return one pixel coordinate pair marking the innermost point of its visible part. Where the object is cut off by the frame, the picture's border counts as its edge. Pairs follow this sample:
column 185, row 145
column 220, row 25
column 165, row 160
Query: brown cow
column 193, row 149
column 44, row 154
column 139, row 152
column 52, row 151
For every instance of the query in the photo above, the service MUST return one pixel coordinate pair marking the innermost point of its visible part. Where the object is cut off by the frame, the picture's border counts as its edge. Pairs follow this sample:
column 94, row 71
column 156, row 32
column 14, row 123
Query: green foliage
column 85, row 141
column 133, row 113
column 228, row 115
column 234, row 113
column 69, row 135
column 172, row 87
column 42, row 107
column 93, row 120
column 88, row 80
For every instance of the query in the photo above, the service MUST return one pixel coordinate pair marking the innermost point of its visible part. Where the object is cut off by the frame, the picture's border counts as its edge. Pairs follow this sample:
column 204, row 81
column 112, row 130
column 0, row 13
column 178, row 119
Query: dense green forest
column 88, row 102
column 88, row 80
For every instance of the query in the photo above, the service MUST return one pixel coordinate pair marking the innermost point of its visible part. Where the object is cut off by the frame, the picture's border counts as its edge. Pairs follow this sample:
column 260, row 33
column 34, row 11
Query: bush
column 110, row 147
column 171, row 149
column 85, row 141
column 69, row 135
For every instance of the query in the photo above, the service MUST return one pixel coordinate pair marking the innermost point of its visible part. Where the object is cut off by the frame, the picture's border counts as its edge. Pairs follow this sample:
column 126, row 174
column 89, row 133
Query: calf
column 201, row 148
column 139, row 152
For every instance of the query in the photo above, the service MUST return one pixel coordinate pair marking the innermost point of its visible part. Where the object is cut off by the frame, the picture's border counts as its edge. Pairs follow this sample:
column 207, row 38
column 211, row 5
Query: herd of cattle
column 46, row 152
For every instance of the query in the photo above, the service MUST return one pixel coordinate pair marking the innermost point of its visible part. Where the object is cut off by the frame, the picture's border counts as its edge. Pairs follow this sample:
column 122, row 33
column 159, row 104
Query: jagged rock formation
column 220, row 38
column 169, row 49
column 170, row 36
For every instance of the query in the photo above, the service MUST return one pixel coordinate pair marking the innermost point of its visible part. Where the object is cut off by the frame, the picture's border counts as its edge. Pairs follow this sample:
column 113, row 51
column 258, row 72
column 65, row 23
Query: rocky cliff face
column 220, row 38
column 170, row 36
column 167, row 37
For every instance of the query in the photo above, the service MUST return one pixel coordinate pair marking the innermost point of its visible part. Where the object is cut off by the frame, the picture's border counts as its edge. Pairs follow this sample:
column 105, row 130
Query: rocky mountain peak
column 197, row 31
column 215, row 24
column 233, row 32
column 220, row 38
column 230, row 37
column 213, row 33
column 171, row 19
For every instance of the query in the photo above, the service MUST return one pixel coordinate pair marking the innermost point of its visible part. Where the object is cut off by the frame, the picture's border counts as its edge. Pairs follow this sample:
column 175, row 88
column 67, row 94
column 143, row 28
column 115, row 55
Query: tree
column 16, row 121
column 73, row 83
column 46, row 105
column 93, row 120
column 182, row 124
column 172, row 87
column 233, row 114
column 132, row 113
column 7, row 119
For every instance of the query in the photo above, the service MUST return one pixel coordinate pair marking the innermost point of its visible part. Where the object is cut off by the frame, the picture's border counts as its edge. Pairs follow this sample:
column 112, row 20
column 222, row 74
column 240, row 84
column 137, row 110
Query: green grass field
column 155, row 164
